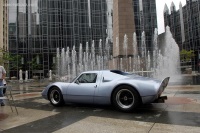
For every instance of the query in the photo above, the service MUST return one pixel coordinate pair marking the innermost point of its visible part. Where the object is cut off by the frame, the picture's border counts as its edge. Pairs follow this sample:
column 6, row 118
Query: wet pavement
column 180, row 113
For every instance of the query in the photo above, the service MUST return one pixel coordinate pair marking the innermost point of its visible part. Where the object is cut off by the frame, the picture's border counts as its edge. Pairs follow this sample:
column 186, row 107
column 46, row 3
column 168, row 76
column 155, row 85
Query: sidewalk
column 180, row 113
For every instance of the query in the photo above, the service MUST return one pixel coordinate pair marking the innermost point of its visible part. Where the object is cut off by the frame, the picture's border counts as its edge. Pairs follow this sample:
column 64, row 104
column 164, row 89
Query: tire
column 125, row 98
column 55, row 97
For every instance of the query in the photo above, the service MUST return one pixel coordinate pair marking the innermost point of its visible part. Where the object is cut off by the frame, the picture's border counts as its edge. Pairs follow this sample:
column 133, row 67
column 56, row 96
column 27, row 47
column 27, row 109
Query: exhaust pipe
column 161, row 99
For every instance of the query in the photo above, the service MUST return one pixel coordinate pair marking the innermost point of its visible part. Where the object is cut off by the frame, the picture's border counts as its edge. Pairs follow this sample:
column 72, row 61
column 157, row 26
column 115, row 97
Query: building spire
column 173, row 7
column 166, row 9
column 180, row 4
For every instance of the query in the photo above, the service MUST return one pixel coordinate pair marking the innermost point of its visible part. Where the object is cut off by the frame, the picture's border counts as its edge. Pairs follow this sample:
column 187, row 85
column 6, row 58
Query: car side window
column 87, row 78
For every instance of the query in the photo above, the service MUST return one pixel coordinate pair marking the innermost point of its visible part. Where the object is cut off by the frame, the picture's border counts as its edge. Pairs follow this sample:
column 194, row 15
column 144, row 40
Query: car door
column 83, row 88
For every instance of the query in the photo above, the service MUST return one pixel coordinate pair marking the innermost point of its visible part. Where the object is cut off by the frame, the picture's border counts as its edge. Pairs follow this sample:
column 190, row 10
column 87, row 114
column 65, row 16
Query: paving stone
column 180, row 113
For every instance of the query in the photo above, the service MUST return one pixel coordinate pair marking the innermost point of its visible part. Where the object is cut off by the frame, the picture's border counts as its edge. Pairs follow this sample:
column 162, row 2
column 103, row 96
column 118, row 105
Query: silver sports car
column 123, row 90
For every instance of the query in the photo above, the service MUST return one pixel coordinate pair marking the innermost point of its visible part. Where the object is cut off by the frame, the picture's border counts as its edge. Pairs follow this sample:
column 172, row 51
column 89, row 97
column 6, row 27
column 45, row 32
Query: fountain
column 167, row 59
column 20, row 76
column 135, row 52
column 143, row 45
column 69, row 65
column 162, row 58
column 125, row 48
column 26, row 76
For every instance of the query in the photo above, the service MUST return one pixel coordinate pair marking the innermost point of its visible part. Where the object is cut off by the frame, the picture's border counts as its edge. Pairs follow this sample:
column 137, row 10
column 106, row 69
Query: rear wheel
column 55, row 97
column 125, row 98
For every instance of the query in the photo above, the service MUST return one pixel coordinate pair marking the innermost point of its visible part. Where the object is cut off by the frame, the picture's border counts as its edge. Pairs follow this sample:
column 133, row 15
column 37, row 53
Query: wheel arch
column 50, row 88
column 133, row 87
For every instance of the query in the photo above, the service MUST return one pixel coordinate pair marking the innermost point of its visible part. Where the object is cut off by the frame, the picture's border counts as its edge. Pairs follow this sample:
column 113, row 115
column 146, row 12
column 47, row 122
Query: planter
column 35, row 77
column 13, row 78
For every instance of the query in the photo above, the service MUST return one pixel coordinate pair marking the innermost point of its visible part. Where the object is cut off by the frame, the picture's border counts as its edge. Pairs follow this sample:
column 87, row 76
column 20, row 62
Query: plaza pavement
column 180, row 113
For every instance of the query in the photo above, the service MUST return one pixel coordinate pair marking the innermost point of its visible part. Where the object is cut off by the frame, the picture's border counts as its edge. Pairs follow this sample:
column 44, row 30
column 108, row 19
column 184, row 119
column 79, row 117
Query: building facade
column 145, row 17
column 133, row 16
column 38, row 27
column 185, row 27
column 3, row 31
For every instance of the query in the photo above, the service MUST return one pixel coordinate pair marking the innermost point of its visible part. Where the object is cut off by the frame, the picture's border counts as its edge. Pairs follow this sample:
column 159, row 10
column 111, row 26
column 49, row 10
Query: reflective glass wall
column 38, row 27
column 145, row 20
column 186, row 19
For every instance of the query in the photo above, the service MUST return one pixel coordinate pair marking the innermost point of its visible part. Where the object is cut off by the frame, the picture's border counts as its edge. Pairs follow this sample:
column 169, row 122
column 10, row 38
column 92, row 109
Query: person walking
column 2, row 77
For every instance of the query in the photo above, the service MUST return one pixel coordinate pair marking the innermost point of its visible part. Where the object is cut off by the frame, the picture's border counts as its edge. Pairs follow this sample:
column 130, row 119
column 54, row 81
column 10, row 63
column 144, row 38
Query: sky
column 160, row 8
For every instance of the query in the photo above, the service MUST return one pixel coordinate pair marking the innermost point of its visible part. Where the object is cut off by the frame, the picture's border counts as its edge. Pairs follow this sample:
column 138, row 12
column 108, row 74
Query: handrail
column 9, row 89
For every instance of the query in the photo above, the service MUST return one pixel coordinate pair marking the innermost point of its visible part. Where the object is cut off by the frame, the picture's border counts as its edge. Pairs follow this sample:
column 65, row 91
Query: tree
column 34, row 64
column 186, row 55
column 13, row 60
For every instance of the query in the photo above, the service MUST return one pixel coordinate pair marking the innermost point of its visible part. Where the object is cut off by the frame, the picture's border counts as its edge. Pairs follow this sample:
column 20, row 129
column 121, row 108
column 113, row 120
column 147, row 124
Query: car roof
column 113, row 71
column 93, row 71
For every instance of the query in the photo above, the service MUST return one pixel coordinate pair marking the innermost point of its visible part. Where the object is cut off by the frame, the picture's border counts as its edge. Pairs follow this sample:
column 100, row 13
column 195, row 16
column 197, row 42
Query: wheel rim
column 125, row 98
column 55, row 96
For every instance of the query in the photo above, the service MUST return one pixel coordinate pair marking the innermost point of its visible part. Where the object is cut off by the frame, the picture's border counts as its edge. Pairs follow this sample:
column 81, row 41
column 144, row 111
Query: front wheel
column 125, row 98
column 55, row 97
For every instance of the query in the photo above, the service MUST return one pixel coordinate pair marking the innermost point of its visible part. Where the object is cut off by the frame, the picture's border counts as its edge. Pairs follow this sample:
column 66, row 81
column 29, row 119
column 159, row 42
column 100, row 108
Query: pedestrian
column 2, row 77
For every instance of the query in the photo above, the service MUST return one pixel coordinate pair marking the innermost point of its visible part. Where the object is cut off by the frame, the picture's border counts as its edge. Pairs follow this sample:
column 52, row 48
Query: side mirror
column 77, row 82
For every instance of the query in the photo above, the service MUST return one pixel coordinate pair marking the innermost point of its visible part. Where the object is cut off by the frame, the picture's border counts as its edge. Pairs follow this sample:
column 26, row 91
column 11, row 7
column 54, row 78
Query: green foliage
column 34, row 64
column 186, row 55
column 14, row 60
column 2, row 52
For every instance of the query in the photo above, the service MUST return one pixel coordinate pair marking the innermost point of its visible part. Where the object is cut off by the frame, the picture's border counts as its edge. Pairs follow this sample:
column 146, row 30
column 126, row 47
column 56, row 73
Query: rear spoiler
column 165, row 82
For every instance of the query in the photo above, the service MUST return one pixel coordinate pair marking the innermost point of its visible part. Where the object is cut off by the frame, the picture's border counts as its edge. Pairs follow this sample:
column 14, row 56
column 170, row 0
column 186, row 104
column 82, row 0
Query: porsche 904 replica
column 125, row 91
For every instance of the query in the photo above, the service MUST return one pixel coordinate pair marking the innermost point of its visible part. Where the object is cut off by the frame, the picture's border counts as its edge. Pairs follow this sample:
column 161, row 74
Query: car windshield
column 89, row 77
column 73, row 79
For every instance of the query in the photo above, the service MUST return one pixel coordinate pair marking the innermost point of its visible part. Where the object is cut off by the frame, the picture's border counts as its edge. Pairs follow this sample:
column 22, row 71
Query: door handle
column 95, row 86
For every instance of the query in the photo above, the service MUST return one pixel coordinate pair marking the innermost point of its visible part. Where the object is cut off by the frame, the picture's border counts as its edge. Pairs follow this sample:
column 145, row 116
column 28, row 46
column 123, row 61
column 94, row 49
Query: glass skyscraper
column 185, row 27
column 38, row 27
column 145, row 20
